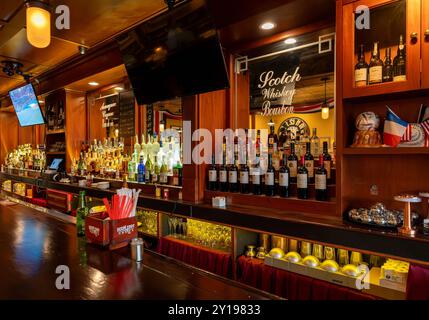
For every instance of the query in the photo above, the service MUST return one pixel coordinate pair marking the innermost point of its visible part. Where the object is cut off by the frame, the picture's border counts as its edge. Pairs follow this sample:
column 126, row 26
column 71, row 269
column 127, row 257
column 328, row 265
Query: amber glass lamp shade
column 38, row 26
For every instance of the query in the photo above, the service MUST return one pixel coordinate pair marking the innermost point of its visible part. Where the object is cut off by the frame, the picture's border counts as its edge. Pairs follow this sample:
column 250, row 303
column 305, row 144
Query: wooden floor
column 33, row 245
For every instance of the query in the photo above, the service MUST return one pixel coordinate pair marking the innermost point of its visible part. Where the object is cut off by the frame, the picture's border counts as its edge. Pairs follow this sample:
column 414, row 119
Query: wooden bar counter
column 34, row 245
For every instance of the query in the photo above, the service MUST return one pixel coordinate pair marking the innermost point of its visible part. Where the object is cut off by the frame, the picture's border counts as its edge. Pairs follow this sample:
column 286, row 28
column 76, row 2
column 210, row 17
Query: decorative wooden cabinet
column 389, row 19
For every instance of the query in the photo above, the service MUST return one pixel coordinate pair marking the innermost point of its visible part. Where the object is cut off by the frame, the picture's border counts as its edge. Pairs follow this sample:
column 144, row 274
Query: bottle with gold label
column 375, row 66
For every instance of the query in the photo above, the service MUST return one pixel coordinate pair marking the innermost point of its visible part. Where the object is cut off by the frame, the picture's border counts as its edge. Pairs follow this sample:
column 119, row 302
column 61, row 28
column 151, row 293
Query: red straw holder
column 113, row 234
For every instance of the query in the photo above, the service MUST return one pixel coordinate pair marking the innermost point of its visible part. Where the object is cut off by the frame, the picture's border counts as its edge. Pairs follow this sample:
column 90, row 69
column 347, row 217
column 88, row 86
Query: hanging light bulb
column 325, row 105
column 38, row 24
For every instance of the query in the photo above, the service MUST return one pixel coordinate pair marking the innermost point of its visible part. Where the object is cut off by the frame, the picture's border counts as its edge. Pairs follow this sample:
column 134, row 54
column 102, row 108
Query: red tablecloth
column 418, row 283
column 211, row 260
column 290, row 285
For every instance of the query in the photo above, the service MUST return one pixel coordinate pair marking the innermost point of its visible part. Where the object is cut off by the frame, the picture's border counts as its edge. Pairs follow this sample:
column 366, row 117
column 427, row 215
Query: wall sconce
column 38, row 24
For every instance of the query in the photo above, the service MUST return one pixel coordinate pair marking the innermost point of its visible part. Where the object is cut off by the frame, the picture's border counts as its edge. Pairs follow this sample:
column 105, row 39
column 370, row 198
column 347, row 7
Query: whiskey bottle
column 375, row 66
column 399, row 63
column 361, row 69
column 388, row 67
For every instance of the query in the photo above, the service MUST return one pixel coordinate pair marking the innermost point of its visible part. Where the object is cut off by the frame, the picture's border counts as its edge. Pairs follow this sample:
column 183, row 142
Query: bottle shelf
column 291, row 204
column 59, row 131
column 386, row 151
column 56, row 153
column 385, row 88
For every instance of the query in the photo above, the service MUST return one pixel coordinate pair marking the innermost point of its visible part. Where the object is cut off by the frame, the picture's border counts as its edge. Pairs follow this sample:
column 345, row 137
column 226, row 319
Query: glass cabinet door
column 425, row 44
column 381, row 47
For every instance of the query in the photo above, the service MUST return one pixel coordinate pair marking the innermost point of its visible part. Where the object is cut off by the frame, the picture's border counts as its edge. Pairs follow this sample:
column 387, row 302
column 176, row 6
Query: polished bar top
column 33, row 245
column 331, row 230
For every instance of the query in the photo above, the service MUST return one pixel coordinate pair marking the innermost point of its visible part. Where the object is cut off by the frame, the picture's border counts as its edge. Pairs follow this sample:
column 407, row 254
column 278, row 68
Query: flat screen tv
column 26, row 106
column 175, row 54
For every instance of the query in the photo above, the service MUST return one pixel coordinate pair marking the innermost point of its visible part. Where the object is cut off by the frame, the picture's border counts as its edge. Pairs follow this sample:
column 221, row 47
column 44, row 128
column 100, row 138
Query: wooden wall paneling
column 339, row 112
column 8, row 134
column 212, row 114
column 95, row 118
column 425, row 43
column 26, row 135
column 75, row 125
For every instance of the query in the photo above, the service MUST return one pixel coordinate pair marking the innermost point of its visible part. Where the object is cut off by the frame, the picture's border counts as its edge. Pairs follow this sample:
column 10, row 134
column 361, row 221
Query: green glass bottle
column 81, row 214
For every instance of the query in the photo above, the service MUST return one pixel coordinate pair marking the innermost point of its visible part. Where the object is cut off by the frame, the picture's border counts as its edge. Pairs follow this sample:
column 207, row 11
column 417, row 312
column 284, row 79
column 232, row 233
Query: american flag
column 407, row 135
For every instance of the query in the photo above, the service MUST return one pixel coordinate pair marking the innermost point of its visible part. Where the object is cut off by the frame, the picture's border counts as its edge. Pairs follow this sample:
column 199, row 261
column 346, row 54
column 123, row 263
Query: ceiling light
column 38, row 19
column 93, row 83
column 267, row 26
column 82, row 50
column 119, row 88
column 290, row 41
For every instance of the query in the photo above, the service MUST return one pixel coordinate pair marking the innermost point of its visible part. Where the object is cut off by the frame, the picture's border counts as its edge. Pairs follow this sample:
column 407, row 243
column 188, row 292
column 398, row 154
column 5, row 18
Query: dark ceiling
column 94, row 21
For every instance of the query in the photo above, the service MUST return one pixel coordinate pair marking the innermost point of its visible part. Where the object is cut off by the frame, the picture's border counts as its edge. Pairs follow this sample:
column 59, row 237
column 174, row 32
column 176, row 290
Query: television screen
column 175, row 54
column 26, row 106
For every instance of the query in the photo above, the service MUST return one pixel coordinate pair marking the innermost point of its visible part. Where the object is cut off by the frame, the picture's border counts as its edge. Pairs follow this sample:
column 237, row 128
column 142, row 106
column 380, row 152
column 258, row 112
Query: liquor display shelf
column 388, row 151
column 380, row 89
column 58, row 131
column 328, row 230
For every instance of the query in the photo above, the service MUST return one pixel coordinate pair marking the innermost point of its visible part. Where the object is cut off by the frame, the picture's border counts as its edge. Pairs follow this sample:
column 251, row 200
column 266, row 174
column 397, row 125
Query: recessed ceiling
column 105, row 78
column 91, row 22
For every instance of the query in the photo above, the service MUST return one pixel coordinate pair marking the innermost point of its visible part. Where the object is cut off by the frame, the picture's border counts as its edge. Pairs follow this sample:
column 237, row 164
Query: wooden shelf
column 56, row 153
column 60, row 131
column 385, row 151
column 380, row 89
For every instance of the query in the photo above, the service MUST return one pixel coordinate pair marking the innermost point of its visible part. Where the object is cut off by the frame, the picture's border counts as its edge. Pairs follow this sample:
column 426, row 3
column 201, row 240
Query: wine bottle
column 388, row 67
column 163, row 175
column 292, row 163
column 269, row 177
column 284, row 178
column 212, row 185
column 321, row 185
column 375, row 66
column 399, row 63
column 256, row 172
column 327, row 161
column 148, row 171
column 223, row 175
column 361, row 69
column 272, row 141
column 244, row 176
column 302, row 181
column 315, row 144
column 232, row 177
column 309, row 163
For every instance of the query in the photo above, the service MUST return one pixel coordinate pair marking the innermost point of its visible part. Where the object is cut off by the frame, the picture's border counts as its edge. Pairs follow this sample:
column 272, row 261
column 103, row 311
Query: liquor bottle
column 388, row 67
column 302, row 181
column 399, row 64
column 137, row 147
column 81, row 165
column 148, row 171
column 309, row 163
column 223, row 175
column 244, row 176
column 132, row 169
column 292, row 163
column 361, row 69
column 155, row 171
column 212, row 185
column 284, row 178
column 375, row 66
column 272, row 141
column 320, row 179
column 163, row 174
column 327, row 161
column 303, row 144
column 81, row 214
column 258, row 142
column 256, row 169
column 141, row 174
column 315, row 144
column 232, row 177
column 177, row 174
column 269, row 177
